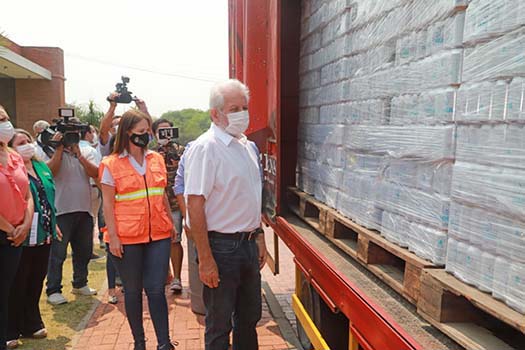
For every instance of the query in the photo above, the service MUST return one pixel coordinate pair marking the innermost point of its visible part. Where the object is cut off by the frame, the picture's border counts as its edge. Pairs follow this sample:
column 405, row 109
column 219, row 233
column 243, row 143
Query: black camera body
column 124, row 94
column 69, row 129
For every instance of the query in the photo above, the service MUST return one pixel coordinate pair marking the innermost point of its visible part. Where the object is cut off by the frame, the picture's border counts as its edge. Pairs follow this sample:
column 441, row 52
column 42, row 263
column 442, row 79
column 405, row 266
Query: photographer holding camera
column 109, row 124
column 171, row 151
column 72, row 167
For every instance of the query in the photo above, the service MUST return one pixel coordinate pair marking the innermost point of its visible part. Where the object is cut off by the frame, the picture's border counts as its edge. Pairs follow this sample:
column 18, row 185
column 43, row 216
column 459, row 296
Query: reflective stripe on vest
column 153, row 191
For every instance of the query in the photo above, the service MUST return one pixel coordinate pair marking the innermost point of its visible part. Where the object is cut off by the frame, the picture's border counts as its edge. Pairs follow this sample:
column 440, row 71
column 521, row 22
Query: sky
column 155, row 43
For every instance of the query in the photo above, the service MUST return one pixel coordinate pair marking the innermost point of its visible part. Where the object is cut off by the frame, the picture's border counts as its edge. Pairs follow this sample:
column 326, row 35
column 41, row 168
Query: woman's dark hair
column 157, row 122
column 128, row 122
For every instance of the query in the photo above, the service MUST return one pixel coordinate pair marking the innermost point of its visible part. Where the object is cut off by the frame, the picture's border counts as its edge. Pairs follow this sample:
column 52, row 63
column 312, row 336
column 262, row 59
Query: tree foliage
column 191, row 123
column 90, row 114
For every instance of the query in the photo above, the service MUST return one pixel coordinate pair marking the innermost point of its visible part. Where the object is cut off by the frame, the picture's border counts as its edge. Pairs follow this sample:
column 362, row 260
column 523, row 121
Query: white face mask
column 163, row 142
column 94, row 142
column 27, row 151
column 6, row 132
column 237, row 123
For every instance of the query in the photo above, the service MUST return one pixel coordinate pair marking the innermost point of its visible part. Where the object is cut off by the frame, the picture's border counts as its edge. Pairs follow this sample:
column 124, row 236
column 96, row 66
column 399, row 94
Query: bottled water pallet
column 472, row 318
column 396, row 266
column 307, row 208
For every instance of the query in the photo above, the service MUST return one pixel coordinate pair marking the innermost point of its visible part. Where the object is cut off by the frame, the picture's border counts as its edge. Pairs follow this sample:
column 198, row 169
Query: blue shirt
column 178, row 188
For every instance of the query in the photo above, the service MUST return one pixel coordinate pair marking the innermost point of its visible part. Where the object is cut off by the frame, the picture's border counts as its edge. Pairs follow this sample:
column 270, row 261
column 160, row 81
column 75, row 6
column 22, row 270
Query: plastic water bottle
column 461, row 270
column 516, row 287
column 473, row 266
column 487, row 272
column 501, row 274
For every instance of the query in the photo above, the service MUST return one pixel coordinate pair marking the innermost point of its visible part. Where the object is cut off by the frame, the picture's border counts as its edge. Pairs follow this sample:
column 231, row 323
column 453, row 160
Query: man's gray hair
column 218, row 90
column 40, row 125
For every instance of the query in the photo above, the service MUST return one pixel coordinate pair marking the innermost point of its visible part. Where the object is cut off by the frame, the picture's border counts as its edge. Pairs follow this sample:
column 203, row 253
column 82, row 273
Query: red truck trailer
column 354, row 289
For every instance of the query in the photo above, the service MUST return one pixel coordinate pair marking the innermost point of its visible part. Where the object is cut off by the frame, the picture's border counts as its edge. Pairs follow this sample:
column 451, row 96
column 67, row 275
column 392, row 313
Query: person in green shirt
column 24, row 317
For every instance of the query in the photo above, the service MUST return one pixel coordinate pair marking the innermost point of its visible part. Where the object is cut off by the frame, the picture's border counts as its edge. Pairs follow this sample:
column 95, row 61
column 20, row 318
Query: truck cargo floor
column 395, row 305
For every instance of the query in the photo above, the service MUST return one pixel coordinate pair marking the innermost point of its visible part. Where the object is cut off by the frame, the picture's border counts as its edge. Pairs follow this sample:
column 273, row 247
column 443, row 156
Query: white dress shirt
column 225, row 170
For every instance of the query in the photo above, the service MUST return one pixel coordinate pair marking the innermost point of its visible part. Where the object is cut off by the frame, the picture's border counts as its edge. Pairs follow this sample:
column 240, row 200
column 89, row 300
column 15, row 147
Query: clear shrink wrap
column 431, row 209
column 395, row 228
column 516, row 287
column 326, row 194
column 487, row 272
column 490, row 18
column 498, row 189
column 428, row 243
column 419, row 142
column 370, row 164
column 499, row 58
column 494, row 233
column 451, row 263
column 501, row 276
column 484, row 101
column 492, row 144
column 516, row 100
column 430, row 107
column 304, row 182
column 362, row 211
column 437, row 71
column 330, row 176
column 378, row 22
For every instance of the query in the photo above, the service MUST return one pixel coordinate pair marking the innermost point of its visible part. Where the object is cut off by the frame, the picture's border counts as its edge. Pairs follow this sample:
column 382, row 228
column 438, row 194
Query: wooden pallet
column 307, row 208
column 396, row 266
column 472, row 318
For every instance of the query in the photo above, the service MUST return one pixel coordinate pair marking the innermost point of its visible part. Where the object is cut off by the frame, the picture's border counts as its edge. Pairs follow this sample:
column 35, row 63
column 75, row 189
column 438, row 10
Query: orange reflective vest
column 140, row 212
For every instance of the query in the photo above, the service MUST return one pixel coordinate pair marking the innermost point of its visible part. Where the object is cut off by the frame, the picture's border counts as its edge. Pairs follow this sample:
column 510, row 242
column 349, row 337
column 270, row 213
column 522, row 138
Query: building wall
column 40, row 99
column 7, row 96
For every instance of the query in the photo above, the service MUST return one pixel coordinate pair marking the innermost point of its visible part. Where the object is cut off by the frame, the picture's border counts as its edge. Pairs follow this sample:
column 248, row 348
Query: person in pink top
column 16, row 216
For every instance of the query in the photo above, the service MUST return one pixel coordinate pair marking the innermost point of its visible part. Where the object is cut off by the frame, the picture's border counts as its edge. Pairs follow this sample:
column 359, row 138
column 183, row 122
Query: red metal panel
column 236, row 38
column 256, row 41
column 374, row 325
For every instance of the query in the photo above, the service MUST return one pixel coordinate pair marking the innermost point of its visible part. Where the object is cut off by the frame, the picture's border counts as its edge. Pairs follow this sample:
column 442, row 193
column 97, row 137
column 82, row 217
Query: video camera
column 124, row 94
column 168, row 133
column 69, row 129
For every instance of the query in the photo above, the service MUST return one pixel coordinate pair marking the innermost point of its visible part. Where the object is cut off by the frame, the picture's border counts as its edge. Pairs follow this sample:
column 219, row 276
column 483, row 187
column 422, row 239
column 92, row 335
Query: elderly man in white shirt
column 223, row 192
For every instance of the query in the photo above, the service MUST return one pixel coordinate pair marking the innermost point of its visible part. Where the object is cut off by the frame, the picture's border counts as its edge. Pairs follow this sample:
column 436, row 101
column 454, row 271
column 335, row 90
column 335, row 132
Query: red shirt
column 14, row 185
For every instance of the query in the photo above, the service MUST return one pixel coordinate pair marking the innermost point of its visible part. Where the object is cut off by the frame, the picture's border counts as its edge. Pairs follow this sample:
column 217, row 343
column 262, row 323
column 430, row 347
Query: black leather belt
column 238, row 236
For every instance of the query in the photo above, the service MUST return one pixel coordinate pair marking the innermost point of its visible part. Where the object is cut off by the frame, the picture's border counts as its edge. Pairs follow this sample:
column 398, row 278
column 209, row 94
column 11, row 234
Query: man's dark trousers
column 236, row 303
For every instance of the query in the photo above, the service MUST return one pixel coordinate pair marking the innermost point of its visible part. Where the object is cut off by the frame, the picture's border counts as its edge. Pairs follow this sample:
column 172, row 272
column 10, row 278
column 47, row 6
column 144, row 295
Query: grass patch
column 62, row 321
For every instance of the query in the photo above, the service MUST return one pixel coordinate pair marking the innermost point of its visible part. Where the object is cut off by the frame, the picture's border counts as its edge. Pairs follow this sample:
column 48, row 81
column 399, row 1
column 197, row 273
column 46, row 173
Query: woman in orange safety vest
column 140, row 228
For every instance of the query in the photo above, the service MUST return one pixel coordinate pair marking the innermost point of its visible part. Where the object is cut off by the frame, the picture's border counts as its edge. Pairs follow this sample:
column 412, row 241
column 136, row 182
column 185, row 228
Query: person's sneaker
column 12, row 344
column 170, row 346
column 96, row 257
column 112, row 299
column 40, row 334
column 176, row 286
column 56, row 299
column 84, row 291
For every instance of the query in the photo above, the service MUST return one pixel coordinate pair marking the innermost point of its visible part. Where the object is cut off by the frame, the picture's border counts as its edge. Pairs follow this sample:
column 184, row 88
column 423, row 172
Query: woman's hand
column 59, row 234
column 19, row 235
column 115, row 247
column 174, row 235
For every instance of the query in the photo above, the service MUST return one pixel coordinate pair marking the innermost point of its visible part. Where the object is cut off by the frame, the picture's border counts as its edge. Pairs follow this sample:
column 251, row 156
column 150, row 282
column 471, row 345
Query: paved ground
column 107, row 328
column 283, row 284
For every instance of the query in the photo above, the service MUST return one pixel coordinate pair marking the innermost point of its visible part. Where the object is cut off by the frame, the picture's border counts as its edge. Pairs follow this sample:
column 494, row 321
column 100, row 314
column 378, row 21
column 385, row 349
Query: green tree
column 90, row 114
column 191, row 123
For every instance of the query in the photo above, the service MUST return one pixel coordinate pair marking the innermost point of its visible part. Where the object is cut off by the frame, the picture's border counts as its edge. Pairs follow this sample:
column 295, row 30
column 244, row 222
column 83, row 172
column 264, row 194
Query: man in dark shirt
column 172, row 152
